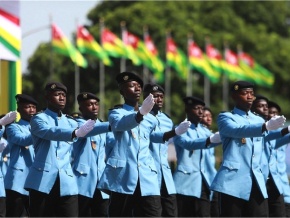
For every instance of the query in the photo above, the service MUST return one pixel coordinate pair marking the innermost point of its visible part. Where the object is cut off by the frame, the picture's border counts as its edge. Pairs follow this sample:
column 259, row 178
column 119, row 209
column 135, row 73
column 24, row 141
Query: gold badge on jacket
column 243, row 140
column 94, row 144
column 5, row 159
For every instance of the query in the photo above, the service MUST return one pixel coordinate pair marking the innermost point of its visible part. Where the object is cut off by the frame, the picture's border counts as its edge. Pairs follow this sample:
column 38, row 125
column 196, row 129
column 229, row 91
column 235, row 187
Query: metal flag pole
column 206, row 87
column 102, row 77
column 77, row 79
column 167, row 84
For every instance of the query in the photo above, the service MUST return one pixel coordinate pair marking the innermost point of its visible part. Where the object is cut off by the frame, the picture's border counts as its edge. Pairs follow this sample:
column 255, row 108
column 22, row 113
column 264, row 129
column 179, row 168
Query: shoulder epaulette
column 167, row 115
column 116, row 106
column 39, row 112
column 71, row 117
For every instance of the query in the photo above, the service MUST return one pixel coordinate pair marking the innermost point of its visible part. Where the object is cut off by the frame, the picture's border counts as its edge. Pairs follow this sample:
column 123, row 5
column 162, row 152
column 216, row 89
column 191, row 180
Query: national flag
column 214, row 57
column 176, row 58
column 87, row 44
column 261, row 75
column 10, row 31
column 157, row 63
column 112, row 44
column 63, row 46
column 231, row 66
column 135, row 50
column 198, row 62
column 10, row 47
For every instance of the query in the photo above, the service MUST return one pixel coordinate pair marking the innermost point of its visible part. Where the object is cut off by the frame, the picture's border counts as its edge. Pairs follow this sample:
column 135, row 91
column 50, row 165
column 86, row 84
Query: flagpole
column 189, row 75
column 145, row 69
column 123, row 60
column 102, row 78
column 206, row 91
column 51, row 51
column 167, row 85
column 225, row 84
column 77, row 79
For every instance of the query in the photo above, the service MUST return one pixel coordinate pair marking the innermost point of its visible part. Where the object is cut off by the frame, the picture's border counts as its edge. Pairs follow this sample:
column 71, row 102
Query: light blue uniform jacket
column 159, row 152
column 52, row 141
column 243, row 144
column 194, row 161
column 2, row 189
column 130, row 159
column 270, row 158
column 281, row 164
column 21, row 155
column 89, row 160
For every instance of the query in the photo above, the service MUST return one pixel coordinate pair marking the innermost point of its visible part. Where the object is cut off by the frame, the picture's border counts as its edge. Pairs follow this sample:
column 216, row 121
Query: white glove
column 275, row 122
column 215, row 138
column 85, row 128
column 8, row 118
column 182, row 127
column 147, row 105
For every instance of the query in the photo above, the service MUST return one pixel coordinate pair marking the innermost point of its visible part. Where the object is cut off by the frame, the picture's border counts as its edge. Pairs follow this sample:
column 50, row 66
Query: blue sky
column 35, row 17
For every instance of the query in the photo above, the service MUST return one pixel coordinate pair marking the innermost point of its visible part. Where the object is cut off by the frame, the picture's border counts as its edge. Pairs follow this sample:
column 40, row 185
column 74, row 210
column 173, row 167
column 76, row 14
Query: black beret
column 128, row 77
column 193, row 101
column 23, row 98
column 151, row 87
column 85, row 96
column 273, row 104
column 238, row 85
column 55, row 86
column 261, row 97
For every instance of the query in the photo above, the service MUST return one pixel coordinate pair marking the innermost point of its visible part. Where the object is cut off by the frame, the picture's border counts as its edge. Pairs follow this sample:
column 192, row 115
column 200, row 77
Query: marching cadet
column 51, row 183
column 5, row 120
column 21, row 157
column 159, row 152
column 207, row 121
column 274, row 109
column 89, row 160
column 192, row 176
column 130, row 175
column 239, row 180
column 276, row 203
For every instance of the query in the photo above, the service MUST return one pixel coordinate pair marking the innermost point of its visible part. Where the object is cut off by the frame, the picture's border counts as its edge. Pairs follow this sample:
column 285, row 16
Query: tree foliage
column 259, row 26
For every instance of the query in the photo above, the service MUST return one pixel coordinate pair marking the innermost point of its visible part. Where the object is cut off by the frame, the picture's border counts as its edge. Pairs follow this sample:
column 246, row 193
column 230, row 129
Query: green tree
column 262, row 34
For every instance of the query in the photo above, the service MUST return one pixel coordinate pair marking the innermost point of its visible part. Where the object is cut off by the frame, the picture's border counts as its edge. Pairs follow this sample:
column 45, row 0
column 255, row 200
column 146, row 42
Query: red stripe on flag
column 10, row 17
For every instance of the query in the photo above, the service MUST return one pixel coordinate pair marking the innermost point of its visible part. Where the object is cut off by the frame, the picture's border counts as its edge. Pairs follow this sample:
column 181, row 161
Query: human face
column 244, row 98
column 195, row 113
column 207, row 118
column 272, row 112
column 26, row 110
column 261, row 108
column 56, row 100
column 89, row 108
column 131, row 91
column 159, row 99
